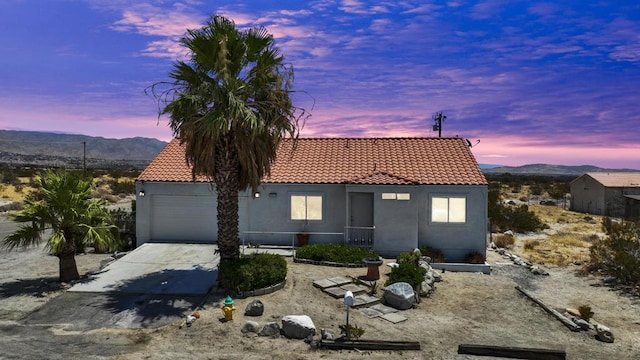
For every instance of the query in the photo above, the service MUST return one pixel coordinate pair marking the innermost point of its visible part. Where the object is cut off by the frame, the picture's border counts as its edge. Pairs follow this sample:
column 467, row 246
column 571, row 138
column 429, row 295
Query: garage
column 183, row 218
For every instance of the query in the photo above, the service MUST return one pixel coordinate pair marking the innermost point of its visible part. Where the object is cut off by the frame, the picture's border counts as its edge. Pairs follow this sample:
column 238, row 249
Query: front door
column 360, row 218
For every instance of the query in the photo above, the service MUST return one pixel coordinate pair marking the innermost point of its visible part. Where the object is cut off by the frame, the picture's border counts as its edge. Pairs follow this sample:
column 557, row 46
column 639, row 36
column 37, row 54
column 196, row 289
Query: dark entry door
column 361, row 209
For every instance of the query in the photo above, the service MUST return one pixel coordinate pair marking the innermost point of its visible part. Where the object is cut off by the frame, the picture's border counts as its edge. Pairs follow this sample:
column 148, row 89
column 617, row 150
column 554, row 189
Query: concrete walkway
column 152, row 268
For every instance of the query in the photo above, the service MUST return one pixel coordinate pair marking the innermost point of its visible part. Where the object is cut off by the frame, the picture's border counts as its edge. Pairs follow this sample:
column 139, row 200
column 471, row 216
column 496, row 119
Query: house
column 391, row 194
column 615, row 194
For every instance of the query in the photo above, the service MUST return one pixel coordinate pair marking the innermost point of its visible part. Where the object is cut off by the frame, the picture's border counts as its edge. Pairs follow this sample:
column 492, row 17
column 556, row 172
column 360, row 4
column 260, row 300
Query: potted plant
column 303, row 236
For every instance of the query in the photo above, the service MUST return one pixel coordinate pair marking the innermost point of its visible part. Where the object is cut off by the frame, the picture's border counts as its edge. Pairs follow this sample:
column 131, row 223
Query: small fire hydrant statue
column 228, row 309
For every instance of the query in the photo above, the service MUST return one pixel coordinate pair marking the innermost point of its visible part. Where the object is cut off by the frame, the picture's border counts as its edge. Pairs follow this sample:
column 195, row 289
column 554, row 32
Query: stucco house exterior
column 615, row 194
column 391, row 194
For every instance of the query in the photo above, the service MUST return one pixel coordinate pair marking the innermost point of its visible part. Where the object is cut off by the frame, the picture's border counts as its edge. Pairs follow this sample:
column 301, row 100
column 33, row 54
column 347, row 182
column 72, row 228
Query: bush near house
column 436, row 255
column 619, row 253
column 406, row 272
column 335, row 253
column 252, row 272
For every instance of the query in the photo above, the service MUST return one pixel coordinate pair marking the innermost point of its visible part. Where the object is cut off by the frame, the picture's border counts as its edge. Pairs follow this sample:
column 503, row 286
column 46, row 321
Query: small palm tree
column 64, row 203
column 230, row 106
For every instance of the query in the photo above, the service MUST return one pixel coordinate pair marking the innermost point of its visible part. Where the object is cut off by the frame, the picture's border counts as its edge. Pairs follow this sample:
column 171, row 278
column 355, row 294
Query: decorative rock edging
column 327, row 263
column 534, row 269
column 261, row 291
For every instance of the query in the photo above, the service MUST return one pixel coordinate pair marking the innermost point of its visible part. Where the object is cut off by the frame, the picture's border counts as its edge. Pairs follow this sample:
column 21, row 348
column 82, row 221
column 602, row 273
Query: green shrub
column 505, row 241
column 252, row 272
column 618, row 253
column 474, row 258
column 335, row 253
column 408, row 257
column 125, row 186
column 521, row 220
column 351, row 332
column 436, row 255
column 406, row 272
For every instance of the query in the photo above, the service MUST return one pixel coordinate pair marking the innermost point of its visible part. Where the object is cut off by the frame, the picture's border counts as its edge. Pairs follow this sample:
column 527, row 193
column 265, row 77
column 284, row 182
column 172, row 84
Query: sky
column 525, row 81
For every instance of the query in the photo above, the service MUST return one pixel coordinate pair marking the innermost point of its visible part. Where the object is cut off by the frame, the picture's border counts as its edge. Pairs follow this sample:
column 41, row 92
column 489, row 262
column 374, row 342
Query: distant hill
column 54, row 149
column 546, row 169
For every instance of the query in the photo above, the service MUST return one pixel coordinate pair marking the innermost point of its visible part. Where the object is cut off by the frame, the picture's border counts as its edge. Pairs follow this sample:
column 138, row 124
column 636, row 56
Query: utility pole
column 438, row 118
column 84, row 158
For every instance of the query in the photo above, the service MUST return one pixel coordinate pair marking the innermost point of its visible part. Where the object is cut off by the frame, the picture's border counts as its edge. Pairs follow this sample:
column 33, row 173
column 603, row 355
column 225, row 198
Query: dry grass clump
column 559, row 249
column 474, row 258
column 504, row 241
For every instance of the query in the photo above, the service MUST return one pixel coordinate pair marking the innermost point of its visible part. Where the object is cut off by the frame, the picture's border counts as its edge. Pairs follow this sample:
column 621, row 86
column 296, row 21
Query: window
column 396, row 196
column 448, row 209
column 306, row 207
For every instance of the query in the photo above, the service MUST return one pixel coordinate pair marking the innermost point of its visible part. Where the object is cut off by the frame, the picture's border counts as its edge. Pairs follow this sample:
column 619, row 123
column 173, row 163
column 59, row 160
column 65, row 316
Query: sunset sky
column 534, row 81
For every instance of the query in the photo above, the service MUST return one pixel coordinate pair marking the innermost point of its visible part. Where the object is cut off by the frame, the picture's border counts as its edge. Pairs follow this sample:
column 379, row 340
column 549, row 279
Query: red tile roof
column 380, row 161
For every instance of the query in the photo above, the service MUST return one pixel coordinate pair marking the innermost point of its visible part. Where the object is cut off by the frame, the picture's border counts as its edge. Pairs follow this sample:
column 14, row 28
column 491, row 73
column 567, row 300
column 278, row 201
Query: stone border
column 327, row 263
column 261, row 291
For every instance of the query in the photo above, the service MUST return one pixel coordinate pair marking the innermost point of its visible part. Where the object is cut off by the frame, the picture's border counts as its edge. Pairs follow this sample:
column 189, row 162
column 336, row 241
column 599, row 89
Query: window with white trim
column 306, row 207
column 448, row 209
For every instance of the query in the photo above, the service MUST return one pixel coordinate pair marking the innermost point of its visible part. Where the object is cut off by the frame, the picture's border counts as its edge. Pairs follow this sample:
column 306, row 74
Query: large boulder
column 400, row 296
column 297, row 326
column 254, row 308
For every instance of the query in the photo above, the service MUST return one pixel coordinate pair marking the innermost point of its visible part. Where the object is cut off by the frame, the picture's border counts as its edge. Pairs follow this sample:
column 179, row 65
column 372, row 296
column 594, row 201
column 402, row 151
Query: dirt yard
column 465, row 308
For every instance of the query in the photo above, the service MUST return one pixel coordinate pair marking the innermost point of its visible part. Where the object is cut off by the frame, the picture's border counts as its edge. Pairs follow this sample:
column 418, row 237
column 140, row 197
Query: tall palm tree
column 230, row 107
column 63, row 203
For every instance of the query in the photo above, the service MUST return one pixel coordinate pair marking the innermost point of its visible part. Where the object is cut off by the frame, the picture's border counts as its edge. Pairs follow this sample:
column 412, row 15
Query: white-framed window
column 448, row 209
column 306, row 207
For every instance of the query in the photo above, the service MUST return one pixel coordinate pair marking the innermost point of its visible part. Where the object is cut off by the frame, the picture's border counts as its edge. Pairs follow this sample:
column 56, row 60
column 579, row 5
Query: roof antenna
column 472, row 145
column 347, row 145
column 438, row 118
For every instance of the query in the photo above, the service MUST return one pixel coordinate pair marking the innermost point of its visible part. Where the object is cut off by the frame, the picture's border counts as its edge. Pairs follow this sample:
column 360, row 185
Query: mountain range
column 25, row 148
column 54, row 149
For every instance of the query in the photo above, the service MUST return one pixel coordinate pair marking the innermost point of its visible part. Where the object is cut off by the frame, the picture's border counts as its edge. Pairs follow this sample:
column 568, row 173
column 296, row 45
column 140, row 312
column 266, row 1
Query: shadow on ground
column 30, row 287
column 149, row 301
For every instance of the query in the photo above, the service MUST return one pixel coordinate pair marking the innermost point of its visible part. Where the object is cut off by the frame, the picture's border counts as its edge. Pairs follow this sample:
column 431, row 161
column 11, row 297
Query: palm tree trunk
column 227, row 186
column 68, row 268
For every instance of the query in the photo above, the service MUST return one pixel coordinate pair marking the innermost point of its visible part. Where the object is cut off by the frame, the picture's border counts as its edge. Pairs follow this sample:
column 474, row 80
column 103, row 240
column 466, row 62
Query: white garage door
column 183, row 218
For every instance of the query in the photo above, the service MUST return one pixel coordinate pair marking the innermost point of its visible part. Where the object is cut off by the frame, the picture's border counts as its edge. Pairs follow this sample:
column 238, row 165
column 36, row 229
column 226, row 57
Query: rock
column 429, row 279
column 399, row 296
column 426, row 259
column 584, row 324
column 270, row 329
column 492, row 245
column 535, row 270
column 425, row 289
column 417, row 251
column 437, row 277
column 501, row 251
column 604, row 334
column 393, row 264
column 424, row 265
column 250, row 326
column 609, row 279
column 508, row 232
column 326, row 334
column 254, row 308
column 297, row 326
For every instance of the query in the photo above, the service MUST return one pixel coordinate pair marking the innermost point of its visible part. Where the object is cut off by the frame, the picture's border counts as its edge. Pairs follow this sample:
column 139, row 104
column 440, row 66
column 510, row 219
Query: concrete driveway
column 154, row 285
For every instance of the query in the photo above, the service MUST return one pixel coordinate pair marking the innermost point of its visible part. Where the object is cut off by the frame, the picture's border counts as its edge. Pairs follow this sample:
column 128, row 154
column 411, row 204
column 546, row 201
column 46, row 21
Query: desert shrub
column 408, row 257
column 523, row 199
column 562, row 220
column 588, row 218
column 590, row 238
column 585, row 312
column 516, row 189
column 335, row 253
column 474, row 258
column 125, row 227
column 252, row 272
column 536, row 190
column 531, row 244
column 351, row 332
column 619, row 252
column 406, row 272
column 436, row 255
column 12, row 206
column 504, row 241
column 520, row 219
column 124, row 186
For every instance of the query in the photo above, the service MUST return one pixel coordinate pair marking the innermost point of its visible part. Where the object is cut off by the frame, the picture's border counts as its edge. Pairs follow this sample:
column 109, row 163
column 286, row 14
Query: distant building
column 615, row 194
